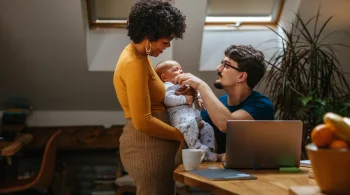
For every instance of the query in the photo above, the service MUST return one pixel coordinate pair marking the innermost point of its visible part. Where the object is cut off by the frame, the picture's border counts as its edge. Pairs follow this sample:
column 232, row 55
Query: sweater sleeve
column 170, row 98
column 136, row 82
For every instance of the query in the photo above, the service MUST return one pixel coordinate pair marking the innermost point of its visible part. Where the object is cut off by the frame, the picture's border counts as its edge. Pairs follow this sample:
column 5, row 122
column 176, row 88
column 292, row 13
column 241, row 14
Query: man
column 239, row 72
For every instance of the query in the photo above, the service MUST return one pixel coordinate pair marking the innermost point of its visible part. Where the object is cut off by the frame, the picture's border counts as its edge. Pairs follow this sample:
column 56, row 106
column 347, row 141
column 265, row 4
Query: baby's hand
column 189, row 99
column 186, row 90
column 200, row 125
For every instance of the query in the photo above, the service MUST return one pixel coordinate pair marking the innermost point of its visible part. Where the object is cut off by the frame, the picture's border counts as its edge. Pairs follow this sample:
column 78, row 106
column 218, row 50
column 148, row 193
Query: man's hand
column 188, row 79
column 189, row 99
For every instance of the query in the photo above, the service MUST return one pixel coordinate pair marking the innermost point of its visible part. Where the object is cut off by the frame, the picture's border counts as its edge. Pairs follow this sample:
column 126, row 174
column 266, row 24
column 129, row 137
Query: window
column 243, row 12
column 108, row 13
column 114, row 13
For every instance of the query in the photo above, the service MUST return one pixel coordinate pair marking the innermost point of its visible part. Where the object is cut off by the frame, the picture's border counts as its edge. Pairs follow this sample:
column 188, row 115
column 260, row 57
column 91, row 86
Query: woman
column 148, row 144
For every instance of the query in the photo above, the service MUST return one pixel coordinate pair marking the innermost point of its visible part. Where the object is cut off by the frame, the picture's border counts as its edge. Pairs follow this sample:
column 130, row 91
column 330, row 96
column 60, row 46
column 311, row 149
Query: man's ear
column 242, row 77
column 162, row 76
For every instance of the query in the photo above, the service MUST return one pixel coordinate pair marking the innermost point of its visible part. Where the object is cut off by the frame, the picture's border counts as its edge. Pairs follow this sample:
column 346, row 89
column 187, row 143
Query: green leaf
column 306, row 100
column 321, row 101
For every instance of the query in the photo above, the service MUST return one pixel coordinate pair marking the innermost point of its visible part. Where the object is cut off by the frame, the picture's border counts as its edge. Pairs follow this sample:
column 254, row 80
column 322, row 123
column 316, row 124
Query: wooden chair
column 42, row 180
column 126, row 184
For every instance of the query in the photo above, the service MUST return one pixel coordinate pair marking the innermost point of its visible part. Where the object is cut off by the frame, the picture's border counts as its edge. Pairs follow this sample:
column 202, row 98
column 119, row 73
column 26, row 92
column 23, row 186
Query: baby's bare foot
column 210, row 156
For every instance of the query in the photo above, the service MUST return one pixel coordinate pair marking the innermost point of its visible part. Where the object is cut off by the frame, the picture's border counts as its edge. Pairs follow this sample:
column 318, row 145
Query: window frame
column 96, row 24
column 276, row 15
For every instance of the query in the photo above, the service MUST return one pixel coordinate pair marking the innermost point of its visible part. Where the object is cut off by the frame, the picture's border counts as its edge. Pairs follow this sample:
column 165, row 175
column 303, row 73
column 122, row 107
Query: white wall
column 105, row 46
column 43, row 58
column 187, row 51
column 339, row 9
column 201, row 50
column 215, row 42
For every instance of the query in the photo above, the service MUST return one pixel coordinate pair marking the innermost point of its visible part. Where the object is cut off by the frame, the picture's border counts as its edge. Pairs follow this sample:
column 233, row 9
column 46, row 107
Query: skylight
column 114, row 13
column 238, row 19
column 237, row 12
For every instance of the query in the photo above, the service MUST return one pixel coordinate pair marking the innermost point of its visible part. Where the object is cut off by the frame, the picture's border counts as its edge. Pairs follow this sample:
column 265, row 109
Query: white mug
column 192, row 158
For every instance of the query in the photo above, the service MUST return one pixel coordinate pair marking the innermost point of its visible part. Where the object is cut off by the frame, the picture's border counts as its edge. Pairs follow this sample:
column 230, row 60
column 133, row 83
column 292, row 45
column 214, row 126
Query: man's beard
column 217, row 84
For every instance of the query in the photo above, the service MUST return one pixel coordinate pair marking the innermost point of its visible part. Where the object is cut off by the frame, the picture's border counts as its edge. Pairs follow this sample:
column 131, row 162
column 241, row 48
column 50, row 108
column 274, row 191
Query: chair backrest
column 47, row 167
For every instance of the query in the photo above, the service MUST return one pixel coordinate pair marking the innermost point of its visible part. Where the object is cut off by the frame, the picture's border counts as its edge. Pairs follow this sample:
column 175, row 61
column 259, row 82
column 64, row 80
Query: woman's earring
column 150, row 48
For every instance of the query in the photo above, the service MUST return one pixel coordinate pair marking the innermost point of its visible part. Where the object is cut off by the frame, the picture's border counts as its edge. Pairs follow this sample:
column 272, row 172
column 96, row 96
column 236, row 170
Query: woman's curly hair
column 155, row 19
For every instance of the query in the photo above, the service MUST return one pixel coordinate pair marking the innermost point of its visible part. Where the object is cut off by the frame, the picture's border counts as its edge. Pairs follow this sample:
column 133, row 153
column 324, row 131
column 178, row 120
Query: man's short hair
column 249, row 60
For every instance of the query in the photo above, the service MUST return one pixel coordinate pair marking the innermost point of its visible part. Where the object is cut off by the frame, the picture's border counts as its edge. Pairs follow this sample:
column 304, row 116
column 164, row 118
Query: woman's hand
column 188, row 79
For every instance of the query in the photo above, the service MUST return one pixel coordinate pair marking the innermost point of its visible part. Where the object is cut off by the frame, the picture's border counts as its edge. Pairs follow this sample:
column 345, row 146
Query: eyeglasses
column 223, row 64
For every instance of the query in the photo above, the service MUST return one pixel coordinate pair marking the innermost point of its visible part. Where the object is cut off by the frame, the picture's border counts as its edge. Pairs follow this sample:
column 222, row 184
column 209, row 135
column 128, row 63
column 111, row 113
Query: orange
column 338, row 144
column 322, row 135
column 336, row 136
column 332, row 127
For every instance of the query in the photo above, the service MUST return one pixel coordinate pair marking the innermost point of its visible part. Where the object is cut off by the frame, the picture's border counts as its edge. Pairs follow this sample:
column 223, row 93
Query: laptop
column 253, row 144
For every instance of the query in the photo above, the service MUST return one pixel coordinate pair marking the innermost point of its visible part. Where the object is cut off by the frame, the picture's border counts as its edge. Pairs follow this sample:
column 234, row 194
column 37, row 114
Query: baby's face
column 172, row 71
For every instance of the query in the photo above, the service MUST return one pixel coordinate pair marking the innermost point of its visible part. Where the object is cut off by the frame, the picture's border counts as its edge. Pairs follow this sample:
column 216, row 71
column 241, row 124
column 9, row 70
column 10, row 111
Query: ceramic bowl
column 331, row 169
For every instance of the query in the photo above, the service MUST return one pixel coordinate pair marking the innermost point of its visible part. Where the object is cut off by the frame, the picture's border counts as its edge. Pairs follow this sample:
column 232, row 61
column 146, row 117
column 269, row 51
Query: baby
column 183, row 115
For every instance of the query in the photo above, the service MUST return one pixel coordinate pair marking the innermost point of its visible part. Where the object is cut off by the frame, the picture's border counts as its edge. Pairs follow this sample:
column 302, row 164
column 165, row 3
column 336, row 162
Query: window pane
column 240, row 7
column 112, row 9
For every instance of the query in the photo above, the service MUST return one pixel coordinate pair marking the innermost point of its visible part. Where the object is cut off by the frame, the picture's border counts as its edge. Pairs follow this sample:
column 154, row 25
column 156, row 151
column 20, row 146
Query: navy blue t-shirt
column 257, row 105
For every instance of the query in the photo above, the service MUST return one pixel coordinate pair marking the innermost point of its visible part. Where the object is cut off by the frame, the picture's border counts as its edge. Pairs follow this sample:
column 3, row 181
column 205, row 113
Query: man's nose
column 219, row 68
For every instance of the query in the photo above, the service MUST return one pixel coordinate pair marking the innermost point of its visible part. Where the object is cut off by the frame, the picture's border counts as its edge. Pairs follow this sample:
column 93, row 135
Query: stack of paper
column 305, row 163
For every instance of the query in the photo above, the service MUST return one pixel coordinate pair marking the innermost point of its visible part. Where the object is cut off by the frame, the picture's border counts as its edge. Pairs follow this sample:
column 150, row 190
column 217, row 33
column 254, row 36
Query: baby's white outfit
column 186, row 119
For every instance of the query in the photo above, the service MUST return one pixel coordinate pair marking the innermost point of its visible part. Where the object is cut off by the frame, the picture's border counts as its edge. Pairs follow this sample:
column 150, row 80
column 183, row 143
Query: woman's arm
column 136, row 82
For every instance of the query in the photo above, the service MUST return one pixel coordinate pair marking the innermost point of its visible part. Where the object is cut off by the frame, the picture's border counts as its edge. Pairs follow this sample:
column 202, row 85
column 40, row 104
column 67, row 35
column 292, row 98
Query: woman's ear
column 148, row 46
column 147, row 41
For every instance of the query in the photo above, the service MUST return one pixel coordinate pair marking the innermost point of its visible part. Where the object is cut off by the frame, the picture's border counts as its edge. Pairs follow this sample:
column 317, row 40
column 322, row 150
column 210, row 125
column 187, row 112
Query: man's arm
column 218, row 113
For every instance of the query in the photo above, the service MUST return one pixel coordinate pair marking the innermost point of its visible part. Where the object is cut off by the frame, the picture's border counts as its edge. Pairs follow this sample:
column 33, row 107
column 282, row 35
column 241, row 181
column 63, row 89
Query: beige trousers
column 148, row 160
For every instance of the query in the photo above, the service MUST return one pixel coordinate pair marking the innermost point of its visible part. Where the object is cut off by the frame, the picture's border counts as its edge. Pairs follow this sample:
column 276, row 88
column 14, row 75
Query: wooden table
column 9, row 148
column 267, row 182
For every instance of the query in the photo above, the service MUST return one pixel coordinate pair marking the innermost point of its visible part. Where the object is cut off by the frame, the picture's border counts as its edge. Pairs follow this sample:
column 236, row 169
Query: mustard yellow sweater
column 141, row 92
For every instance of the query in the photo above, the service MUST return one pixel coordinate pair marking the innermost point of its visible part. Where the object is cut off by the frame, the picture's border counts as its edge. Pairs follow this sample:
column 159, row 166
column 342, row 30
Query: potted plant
column 305, row 79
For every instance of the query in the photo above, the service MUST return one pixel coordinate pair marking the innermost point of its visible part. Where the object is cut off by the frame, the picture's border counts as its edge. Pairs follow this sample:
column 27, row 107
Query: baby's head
column 168, row 69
